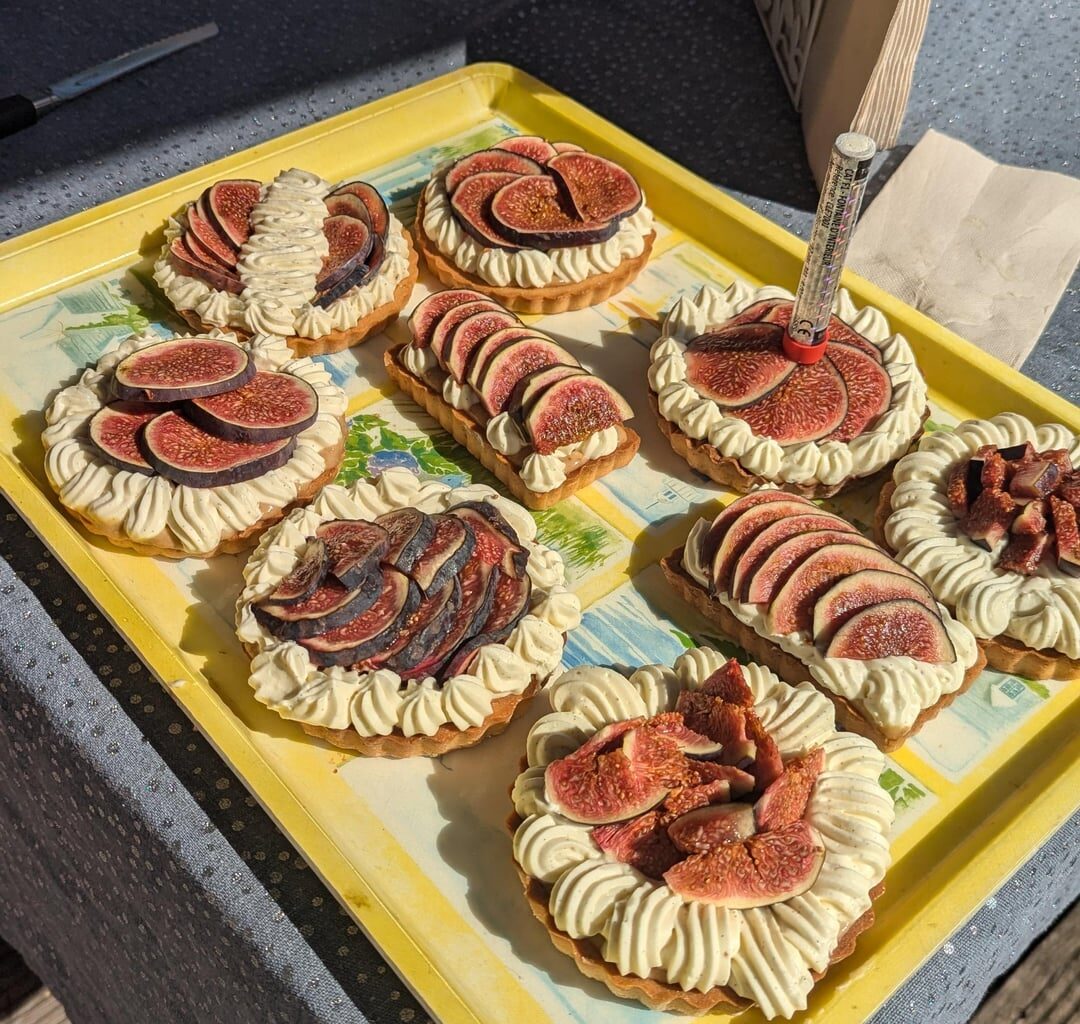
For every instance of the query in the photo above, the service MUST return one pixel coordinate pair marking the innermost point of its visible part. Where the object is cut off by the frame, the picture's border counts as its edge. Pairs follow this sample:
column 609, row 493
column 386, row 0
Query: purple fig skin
column 510, row 602
column 492, row 533
column 526, row 389
column 228, row 206
column 350, row 242
column 183, row 352
column 449, row 550
column 479, row 356
column 128, row 418
column 185, row 262
column 378, row 214
column 206, row 255
column 572, row 172
column 304, row 578
column 427, row 626
column 478, row 583
column 531, row 213
column 294, row 400
column 533, row 146
column 297, row 622
column 345, row 204
column 354, row 548
column 486, row 160
column 551, row 402
column 202, row 212
column 428, row 312
column 471, row 205
column 512, row 362
column 410, row 532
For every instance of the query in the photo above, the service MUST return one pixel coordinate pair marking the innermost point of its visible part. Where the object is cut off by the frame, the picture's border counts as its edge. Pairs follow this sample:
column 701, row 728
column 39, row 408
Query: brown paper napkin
column 981, row 247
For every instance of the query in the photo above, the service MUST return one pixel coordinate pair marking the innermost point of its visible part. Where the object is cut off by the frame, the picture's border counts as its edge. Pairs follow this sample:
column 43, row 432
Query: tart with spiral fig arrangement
column 987, row 515
column 193, row 445
column 542, row 227
column 700, row 837
column 520, row 403
column 735, row 407
column 802, row 591
column 403, row 618
column 322, row 266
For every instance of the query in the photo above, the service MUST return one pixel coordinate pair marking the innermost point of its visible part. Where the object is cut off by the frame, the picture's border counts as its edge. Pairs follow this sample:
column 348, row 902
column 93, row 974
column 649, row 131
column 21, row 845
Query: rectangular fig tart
column 520, row 403
column 805, row 593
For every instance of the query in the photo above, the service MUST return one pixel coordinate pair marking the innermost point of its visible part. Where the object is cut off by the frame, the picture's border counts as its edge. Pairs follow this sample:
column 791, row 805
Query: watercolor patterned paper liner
column 610, row 536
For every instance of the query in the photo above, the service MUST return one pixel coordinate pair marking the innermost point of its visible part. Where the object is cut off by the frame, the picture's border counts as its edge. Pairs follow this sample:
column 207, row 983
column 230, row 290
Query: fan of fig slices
column 1023, row 497
column 528, row 193
column 698, row 798
column 218, row 224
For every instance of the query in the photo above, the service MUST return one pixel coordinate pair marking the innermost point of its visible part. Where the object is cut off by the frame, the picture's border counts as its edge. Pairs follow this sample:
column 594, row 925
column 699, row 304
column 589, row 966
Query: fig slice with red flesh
column 359, row 274
column 228, row 207
column 209, row 237
column 326, row 608
column 471, row 204
column 869, row 391
column 670, row 724
column 185, row 262
column 642, row 842
column 900, row 628
column 496, row 540
column 526, row 389
column 378, row 215
column 469, row 333
column 268, row 407
column 704, row 828
column 791, row 609
column 768, row 868
column 354, row 548
column 424, row 628
column 427, row 312
column 1031, row 520
column 956, row 490
column 728, row 683
column 1066, row 535
column 727, row 515
column 510, row 602
column 304, row 578
column 567, row 147
column 778, row 311
column 532, row 146
column 750, row 560
column 409, row 532
column 713, row 783
column 449, row 321
column 350, row 241
column 772, row 573
column 184, row 454
column 738, row 365
column 182, row 368
column 450, row 548
column 1024, row 554
column 571, row 409
column 785, row 798
column 598, row 189
column 484, row 162
column 866, row 587
column 989, row 518
column 347, row 205
column 479, row 356
column 531, row 212
column 745, row 742
column 114, row 432
column 208, row 256
column 372, row 630
column 806, row 406
column 1034, row 479
column 512, row 362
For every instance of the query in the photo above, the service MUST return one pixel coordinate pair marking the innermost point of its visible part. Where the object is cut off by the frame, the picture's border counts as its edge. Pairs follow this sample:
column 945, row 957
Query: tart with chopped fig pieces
column 521, row 404
column 542, row 227
column 739, row 410
column 191, row 446
column 987, row 515
column 805, row 593
column 323, row 266
column 700, row 837
column 400, row 618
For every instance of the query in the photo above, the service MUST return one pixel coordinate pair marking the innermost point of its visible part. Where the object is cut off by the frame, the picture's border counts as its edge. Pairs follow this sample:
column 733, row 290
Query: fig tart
column 734, row 406
column 700, row 837
column 987, row 515
column 322, row 266
column 194, row 444
column 400, row 618
column 542, row 227
column 803, row 592
column 520, row 403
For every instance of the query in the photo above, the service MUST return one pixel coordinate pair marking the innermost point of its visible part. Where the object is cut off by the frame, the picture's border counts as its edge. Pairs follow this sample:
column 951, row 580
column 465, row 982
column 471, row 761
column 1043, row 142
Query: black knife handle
column 16, row 113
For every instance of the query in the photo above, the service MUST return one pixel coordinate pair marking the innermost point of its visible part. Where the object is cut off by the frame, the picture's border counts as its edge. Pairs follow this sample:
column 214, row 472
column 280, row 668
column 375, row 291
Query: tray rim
column 988, row 868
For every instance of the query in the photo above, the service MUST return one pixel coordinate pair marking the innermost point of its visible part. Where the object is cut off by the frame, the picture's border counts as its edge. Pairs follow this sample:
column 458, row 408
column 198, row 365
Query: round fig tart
column 322, row 266
column 987, row 514
column 740, row 411
column 542, row 227
column 400, row 618
column 193, row 445
column 700, row 837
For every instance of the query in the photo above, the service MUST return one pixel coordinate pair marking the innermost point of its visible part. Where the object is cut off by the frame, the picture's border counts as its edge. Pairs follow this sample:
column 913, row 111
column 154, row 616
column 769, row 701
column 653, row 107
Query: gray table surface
column 136, row 875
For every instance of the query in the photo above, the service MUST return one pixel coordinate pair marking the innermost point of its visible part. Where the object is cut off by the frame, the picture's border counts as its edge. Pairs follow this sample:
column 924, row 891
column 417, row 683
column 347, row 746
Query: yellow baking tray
column 415, row 850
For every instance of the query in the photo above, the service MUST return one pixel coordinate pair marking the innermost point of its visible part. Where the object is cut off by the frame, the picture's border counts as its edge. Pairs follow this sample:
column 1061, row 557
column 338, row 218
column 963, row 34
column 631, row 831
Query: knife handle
column 16, row 113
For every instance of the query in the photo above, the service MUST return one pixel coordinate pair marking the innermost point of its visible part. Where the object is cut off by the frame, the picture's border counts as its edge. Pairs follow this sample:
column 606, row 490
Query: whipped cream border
column 377, row 703
column 811, row 462
column 141, row 507
column 765, row 954
column 1042, row 610
column 278, row 266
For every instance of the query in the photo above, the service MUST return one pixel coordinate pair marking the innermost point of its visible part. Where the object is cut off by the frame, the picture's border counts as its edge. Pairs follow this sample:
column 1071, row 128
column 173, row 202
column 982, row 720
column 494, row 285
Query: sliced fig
column 373, row 629
column 526, row 389
column 496, row 541
column 571, row 409
column 304, row 578
column 727, row 515
column 736, row 366
column 428, row 312
column 184, row 261
column 684, row 799
column 778, row 311
column 841, row 333
column 512, row 362
column 598, row 189
column 354, row 548
column 900, row 628
column 182, row 368
column 642, row 843
column 378, row 214
column 851, row 594
column 469, row 333
column 409, row 532
column 956, row 490
column 472, row 206
column 1018, row 452
column 1066, row 534
column 424, row 628
column 268, row 407
column 206, row 255
column 808, row 405
column 785, row 798
column 478, row 358
column 728, row 683
column 350, row 242
column 449, row 321
column 531, row 212
column 229, row 204
column 329, row 606
column 485, row 161
column 347, row 205
column 671, row 725
column 1024, row 554
column 447, row 552
column 773, row 573
column 762, row 870
column 869, row 391
column 704, row 828
column 1031, row 520
column 184, row 454
column 359, row 274
column 532, row 146
column 1035, row 479
column 114, row 431
column 209, row 237
column 510, row 602
column 989, row 518
column 567, row 147
column 993, row 470
column 746, row 743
